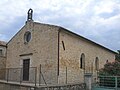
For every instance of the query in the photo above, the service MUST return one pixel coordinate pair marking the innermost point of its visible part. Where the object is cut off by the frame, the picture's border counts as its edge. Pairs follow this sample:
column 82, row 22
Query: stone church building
column 61, row 55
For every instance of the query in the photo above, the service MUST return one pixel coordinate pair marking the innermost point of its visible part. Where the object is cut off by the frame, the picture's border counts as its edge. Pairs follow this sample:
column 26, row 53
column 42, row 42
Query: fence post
column 35, row 75
column 115, row 82
column 7, row 74
column 21, row 76
column 66, row 75
column 40, row 76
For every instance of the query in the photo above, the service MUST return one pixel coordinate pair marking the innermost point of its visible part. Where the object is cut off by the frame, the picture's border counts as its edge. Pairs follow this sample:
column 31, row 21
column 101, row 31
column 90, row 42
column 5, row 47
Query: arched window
column 1, row 52
column 97, row 63
column 82, row 61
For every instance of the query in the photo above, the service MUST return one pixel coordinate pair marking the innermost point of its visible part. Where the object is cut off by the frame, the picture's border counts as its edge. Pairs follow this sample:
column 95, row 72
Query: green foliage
column 111, row 69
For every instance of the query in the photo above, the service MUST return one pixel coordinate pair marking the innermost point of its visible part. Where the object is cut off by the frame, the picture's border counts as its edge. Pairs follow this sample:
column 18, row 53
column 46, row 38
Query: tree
column 111, row 69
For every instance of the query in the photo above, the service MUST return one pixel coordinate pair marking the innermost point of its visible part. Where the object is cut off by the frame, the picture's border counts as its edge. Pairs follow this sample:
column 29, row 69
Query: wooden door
column 26, row 65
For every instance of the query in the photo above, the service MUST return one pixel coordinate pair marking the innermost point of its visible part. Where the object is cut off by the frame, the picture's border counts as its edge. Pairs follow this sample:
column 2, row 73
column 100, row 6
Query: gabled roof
column 62, row 28
column 88, row 40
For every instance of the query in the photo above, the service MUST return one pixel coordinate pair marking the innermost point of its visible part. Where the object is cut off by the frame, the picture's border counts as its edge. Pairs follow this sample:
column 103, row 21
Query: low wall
column 14, row 86
column 8, row 86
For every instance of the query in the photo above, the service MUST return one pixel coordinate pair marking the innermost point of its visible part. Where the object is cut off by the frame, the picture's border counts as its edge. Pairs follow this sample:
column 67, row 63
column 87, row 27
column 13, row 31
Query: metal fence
column 68, row 75
column 16, row 75
column 112, row 82
column 39, row 77
column 109, row 81
column 2, row 74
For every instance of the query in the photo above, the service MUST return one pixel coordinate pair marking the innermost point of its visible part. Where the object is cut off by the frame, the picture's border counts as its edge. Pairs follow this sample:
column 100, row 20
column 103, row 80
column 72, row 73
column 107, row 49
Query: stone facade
column 2, row 49
column 58, row 51
column 2, row 59
column 42, row 49
column 2, row 54
column 70, row 57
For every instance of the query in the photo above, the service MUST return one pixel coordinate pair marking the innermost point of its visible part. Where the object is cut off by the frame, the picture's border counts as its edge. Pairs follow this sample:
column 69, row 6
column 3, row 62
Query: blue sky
column 97, row 20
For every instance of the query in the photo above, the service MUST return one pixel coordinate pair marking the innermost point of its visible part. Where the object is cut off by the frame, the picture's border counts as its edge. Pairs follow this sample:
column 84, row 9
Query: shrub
column 110, row 69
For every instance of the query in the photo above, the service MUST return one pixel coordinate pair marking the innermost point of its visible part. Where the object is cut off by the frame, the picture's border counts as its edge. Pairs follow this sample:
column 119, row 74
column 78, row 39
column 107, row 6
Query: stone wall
column 2, row 56
column 70, row 54
column 2, row 67
column 3, row 48
column 8, row 86
column 42, row 49
column 2, row 62
column 14, row 86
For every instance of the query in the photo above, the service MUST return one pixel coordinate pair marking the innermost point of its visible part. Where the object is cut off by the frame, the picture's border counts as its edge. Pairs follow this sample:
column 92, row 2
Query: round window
column 27, row 36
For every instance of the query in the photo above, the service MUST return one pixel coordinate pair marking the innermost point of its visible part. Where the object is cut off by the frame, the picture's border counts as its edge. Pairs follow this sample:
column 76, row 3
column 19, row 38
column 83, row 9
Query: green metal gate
column 107, row 83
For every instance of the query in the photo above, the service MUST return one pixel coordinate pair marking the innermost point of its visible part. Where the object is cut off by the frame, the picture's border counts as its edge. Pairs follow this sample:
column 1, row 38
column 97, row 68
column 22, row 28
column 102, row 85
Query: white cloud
column 91, row 18
column 105, row 7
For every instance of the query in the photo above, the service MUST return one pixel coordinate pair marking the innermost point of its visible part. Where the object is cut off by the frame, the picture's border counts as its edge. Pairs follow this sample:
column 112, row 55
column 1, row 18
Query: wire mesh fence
column 41, row 76
column 16, row 75
column 107, row 83
column 2, row 74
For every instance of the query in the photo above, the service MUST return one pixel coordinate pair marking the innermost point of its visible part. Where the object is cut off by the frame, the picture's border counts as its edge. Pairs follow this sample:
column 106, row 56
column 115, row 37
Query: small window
column 27, row 36
column 96, row 63
column 1, row 52
column 82, row 61
column 63, row 45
